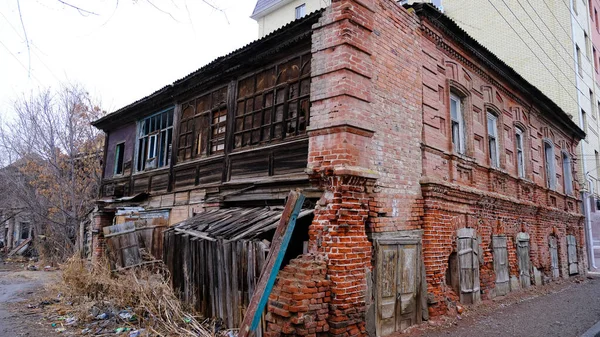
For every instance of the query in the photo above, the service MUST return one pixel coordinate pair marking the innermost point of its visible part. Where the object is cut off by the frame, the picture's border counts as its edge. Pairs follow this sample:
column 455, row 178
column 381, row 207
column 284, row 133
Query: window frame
column 550, row 164
column 493, row 149
column 300, row 11
column 567, row 173
column 459, row 122
column 520, row 152
column 118, row 169
column 162, row 135
column 578, row 60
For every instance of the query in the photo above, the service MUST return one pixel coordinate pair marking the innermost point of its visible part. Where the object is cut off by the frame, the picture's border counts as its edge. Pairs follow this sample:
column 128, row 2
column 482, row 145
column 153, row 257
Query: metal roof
column 233, row 223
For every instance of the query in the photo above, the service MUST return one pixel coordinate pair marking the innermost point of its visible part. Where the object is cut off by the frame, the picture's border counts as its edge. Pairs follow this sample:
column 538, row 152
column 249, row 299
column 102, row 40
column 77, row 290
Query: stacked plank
column 216, row 257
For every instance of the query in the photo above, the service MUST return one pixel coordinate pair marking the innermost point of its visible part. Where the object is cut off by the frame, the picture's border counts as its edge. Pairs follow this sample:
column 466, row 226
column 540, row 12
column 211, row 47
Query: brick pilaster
column 101, row 220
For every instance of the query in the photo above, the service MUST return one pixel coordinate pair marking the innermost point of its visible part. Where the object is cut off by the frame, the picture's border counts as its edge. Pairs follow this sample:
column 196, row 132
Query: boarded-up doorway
column 501, row 265
column 524, row 261
column 553, row 244
column 397, row 284
column 468, row 265
column 572, row 255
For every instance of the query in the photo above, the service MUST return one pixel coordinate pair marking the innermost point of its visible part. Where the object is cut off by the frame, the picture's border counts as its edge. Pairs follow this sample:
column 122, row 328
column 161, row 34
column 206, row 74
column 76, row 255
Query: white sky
column 119, row 55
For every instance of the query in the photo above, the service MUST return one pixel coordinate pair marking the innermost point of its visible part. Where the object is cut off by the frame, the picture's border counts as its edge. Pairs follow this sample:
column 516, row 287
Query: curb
column 594, row 331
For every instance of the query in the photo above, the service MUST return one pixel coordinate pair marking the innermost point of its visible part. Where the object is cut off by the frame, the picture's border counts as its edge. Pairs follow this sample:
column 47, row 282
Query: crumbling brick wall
column 298, row 304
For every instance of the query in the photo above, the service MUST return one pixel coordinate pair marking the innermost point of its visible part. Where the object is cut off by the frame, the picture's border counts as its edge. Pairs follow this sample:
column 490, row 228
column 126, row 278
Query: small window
column 584, row 122
column 300, row 11
column 586, row 39
column 492, row 126
column 119, row 155
column 578, row 52
column 438, row 4
column 596, row 19
column 592, row 105
column 550, row 166
column 458, row 124
column 597, row 157
column 567, row 174
column 594, row 55
column 575, row 6
column 520, row 153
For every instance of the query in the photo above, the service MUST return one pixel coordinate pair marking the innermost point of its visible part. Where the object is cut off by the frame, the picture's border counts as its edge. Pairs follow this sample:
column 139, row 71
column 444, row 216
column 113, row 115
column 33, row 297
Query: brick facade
column 381, row 150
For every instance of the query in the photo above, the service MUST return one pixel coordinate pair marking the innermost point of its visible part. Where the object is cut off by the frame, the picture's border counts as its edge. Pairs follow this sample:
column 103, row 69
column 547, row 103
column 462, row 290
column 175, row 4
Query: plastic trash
column 71, row 320
column 102, row 316
column 136, row 333
column 125, row 315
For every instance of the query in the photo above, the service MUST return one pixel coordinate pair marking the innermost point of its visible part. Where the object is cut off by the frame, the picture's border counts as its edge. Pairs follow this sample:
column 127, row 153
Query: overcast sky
column 120, row 55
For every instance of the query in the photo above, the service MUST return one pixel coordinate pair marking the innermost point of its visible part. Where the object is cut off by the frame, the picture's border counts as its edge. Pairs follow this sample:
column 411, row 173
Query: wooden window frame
column 119, row 151
column 567, row 173
column 276, row 111
column 457, row 124
column 202, row 133
column 520, row 151
column 493, row 139
column 550, row 164
column 162, row 132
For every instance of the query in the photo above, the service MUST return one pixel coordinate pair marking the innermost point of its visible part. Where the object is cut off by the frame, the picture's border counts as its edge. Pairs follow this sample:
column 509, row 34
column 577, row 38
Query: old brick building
column 435, row 173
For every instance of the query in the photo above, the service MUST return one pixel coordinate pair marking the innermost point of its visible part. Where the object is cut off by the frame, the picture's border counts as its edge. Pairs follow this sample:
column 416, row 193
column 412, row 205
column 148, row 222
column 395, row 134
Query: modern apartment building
column 554, row 44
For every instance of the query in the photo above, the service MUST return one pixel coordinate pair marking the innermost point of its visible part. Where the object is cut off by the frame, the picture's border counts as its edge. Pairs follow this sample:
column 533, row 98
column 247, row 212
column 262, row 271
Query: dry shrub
column 147, row 292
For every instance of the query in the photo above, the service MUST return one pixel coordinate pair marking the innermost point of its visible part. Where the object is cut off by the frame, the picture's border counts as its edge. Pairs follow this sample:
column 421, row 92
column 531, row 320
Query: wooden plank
column 281, row 240
column 195, row 233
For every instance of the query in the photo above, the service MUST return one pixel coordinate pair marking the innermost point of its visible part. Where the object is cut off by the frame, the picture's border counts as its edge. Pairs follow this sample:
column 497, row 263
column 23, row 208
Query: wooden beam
column 281, row 239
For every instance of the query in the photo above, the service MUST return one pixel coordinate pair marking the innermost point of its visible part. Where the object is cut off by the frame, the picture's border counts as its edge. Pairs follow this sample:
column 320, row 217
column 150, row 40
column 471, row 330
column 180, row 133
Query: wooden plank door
column 501, row 265
column 524, row 263
column 468, row 266
column 553, row 244
column 407, row 285
column 397, row 284
column 572, row 255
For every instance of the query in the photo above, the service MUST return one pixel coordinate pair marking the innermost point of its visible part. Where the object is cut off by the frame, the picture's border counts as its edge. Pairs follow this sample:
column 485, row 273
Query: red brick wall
column 101, row 220
column 465, row 191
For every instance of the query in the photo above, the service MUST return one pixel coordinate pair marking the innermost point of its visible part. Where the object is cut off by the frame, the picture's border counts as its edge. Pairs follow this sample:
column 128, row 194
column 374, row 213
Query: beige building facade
column 274, row 14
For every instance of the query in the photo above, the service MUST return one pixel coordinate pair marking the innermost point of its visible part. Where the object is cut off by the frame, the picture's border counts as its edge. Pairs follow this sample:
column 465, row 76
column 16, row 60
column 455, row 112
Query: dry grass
column 146, row 292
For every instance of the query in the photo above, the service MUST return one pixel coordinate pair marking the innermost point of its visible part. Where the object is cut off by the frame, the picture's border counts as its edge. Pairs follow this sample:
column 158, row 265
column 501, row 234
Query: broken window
column 492, row 126
column 203, row 125
column 458, row 123
column 119, row 155
column 520, row 154
column 468, row 265
column 274, row 103
column 550, row 166
column 572, row 255
column 501, row 265
column 154, row 141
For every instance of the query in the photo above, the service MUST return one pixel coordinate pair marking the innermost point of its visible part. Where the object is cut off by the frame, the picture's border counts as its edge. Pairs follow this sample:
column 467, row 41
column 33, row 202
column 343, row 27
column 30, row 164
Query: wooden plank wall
column 217, row 277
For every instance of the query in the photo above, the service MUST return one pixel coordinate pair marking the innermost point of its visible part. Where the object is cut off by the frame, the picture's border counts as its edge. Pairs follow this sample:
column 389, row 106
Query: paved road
column 568, row 310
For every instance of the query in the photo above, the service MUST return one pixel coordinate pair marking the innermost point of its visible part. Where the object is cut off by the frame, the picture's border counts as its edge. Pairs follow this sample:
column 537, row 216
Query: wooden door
column 501, row 265
column 397, row 285
column 552, row 243
column 572, row 255
column 468, row 266
column 524, row 262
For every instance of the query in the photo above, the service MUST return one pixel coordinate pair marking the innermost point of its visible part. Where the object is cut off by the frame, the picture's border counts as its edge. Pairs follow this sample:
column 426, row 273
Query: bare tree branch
column 79, row 9
column 160, row 10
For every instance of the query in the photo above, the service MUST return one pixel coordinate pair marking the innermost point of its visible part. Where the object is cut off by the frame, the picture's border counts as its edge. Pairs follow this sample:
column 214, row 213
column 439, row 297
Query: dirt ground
column 18, row 287
column 567, row 308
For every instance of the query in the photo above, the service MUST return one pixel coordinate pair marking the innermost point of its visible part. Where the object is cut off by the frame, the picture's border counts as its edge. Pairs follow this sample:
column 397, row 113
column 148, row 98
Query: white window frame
column 300, row 11
column 567, row 173
column 519, row 143
column 493, row 141
column 550, row 165
column 457, row 127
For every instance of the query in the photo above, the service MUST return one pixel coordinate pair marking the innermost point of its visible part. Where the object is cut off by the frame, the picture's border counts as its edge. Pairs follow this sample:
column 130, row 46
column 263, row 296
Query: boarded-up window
column 468, row 265
column 501, row 265
column 572, row 255
column 203, row 125
column 398, row 277
column 552, row 243
column 273, row 104
column 524, row 261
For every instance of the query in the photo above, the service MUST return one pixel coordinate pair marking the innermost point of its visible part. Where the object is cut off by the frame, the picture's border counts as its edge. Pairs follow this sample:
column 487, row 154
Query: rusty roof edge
column 450, row 27
column 103, row 121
